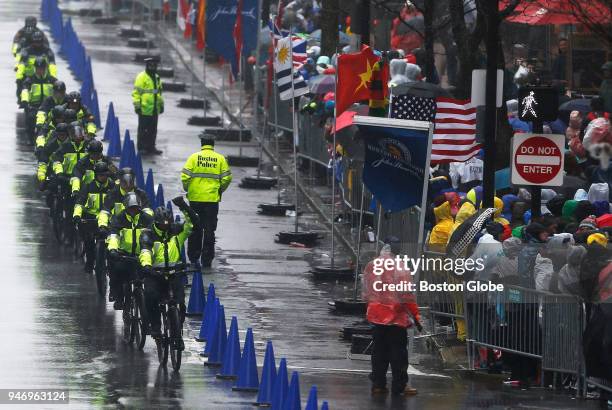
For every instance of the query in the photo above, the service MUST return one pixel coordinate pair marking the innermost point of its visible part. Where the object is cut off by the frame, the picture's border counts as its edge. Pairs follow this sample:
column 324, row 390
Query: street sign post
column 537, row 159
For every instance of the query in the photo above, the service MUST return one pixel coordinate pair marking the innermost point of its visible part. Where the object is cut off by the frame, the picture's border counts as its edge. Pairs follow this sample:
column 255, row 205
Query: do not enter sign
column 537, row 159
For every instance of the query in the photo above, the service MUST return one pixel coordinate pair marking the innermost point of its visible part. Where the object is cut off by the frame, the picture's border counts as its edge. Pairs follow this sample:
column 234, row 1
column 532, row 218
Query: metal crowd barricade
column 541, row 325
column 441, row 304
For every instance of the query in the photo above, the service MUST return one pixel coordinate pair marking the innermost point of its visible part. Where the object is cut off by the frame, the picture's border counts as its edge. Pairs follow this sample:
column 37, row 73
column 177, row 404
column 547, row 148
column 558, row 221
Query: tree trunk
column 329, row 27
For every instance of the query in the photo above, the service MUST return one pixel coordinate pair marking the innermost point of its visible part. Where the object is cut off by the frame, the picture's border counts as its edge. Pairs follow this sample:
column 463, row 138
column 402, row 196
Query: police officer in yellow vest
column 87, row 207
column 205, row 176
column 35, row 90
column 148, row 104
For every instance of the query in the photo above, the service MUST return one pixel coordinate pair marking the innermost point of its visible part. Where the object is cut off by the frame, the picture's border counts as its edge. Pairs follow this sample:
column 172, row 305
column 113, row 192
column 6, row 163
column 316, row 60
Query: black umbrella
column 578, row 104
column 465, row 233
column 421, row 89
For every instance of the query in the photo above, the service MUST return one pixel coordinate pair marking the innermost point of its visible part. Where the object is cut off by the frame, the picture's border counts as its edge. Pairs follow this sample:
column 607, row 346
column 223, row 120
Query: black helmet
column 162, row 218
column 37, row 37
column 151, row 62
column 59, row 86
column 59, row 111
column 94, row 147
column 70, row 115
column 28, row 31
column 76, row 130
column 126, row 171
column 31, row 21
column 40, row 62
column 131, row 200
column 101, row 167
column 74, row 97
column 127, row 181
column 62, row 128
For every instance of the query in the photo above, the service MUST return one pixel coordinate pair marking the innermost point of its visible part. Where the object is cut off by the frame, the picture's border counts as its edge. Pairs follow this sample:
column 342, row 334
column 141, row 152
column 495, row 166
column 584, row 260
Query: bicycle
column 90, row 227
column 171, row 339
column 134, row 309
column 60, row 214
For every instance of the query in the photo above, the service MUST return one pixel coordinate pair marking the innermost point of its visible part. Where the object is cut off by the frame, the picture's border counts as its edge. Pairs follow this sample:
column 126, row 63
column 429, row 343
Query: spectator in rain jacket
column 440, row 234
column 506, row 270
column 567, row 212
column 391, row 313
column 598, row 192
column 536, row 236
column 569, row 276
column 469, row 207
column 508, row 200
column 498, row 204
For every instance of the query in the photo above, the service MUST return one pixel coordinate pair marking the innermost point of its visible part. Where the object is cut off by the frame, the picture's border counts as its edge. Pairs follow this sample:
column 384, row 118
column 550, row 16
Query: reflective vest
column 147, row 94
column 125, row 232
column 206, row 175
column 39, row 89
column 165, row 251
column 91, row 198
column 113, row 205
column 25, row 67
column 67, row 157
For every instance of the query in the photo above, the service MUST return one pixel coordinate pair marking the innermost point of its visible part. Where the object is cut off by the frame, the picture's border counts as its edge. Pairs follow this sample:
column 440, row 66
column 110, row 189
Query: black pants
column 202, row 240
column 390, row 346
column 156, row 288
column 147, row 132
column 87, row 232
column 120, row 273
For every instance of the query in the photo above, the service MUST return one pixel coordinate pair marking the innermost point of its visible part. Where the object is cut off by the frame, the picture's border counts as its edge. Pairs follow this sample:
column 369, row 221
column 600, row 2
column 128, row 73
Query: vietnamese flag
column 201, row 26
column 355, row 72
column 238, row 31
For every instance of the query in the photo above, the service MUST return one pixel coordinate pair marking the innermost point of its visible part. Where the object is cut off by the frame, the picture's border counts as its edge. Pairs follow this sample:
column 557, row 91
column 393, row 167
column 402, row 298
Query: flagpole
column 359, row 240
column 333, row 162
column 204, row 78
column 256, row 76
column 295, row 132
column 275, row 93
column 240, row 87
column 223, row 93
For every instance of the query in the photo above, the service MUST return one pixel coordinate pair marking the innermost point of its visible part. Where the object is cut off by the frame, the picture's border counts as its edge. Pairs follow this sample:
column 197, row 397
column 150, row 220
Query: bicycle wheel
column 128, row 319
column 176, row 339
column 58, row 220
column 162, row 342
column 100, row 267
column 139, row 328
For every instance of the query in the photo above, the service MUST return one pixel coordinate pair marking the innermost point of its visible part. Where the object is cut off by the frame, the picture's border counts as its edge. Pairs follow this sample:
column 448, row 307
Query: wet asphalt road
column 57, row 333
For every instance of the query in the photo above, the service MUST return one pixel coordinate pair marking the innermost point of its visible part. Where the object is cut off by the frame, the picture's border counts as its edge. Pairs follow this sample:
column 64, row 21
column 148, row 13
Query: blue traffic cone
column 195, row 307
column 114, row 146
column 95, row 108
column 110, row 122
column 212, row 327
column 159, row 196
column 86, row 93
column 131, row 154
column 207, row 311
column 280, row 386
column 140, row 182
column 219, row 340
column 169, row 208
column 324, row 406
column 293, row 401
column 247, row 373
column 312, row 403
column 231, row 356
column 150, row 187
column 116, row 130
column 212, row 324
column 125, row 151
column 268, row 376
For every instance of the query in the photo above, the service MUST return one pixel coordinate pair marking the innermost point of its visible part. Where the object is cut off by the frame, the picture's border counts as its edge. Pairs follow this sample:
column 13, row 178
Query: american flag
column 454, row 138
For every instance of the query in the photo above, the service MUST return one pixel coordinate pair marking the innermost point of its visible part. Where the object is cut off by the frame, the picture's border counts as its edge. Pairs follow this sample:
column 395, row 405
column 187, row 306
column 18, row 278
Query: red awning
column 344, row 120
column 541, row 12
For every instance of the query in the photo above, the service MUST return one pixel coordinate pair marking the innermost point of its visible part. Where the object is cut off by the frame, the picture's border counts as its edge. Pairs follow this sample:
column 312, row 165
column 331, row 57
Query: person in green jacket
column 148, row 104
column 205, row 176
